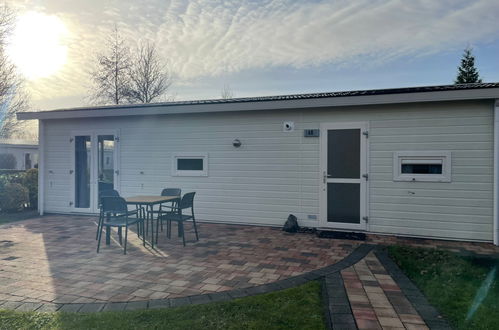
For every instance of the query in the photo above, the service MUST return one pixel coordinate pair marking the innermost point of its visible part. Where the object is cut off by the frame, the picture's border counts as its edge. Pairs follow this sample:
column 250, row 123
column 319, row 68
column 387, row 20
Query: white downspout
column 41, row 166
column 496, row 172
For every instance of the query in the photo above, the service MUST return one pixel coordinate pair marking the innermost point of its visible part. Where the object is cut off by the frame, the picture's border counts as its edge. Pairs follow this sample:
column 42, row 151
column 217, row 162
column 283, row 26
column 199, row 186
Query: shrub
column 15, row 177
column 4, row 179
column 30, row 182
column 8, row 161
column 13, row 197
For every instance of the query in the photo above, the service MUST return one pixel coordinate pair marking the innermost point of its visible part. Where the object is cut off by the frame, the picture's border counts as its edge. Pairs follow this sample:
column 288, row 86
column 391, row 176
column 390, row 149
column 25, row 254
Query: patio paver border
column 338, row 312
column 357, row 254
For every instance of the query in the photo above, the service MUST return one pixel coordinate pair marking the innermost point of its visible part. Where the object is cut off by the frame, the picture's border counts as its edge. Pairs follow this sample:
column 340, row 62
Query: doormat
column 307, row 230
column 341, row 235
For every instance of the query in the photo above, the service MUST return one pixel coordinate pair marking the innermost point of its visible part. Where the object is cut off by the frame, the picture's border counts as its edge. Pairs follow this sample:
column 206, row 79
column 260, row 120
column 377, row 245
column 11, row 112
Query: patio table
column 148, row 202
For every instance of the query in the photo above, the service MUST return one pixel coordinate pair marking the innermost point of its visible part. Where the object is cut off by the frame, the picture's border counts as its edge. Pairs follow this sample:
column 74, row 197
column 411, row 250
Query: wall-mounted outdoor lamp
column 236, row 143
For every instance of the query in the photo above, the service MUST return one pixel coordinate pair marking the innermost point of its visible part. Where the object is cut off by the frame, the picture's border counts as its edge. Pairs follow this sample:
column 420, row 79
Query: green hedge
column 30, row 181
column 19, row 191
column 8, row 161
column 13, row 197
column 10, row 172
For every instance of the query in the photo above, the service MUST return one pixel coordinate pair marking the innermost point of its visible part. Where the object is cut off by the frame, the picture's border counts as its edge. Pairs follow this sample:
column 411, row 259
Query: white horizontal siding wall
column 461, row 208
column 275, row 173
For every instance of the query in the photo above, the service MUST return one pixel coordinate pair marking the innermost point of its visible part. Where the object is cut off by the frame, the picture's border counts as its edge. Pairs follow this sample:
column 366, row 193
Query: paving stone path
column 362, row 287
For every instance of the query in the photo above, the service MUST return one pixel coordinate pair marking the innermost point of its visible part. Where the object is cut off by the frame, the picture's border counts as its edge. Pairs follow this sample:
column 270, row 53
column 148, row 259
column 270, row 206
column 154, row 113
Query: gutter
column 496, row 173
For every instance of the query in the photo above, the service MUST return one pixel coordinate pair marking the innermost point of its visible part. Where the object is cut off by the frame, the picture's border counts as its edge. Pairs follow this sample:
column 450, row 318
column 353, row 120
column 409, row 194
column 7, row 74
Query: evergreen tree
column 467, row 73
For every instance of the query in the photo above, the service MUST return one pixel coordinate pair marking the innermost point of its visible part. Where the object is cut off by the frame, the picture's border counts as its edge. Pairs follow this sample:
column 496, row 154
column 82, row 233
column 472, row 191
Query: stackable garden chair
column 177, row 215
column 165, row 207
column 104, row 193
column 116, row 214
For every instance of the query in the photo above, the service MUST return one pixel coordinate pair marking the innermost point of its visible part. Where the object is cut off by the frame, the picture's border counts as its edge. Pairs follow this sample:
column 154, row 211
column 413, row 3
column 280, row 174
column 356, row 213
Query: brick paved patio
column 53, row 259
column 50, row 264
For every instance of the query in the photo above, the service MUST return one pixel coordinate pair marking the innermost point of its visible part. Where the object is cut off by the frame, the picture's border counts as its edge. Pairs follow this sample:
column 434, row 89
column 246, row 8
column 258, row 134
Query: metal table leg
column 152, row 224
column 108, row 235
column 157, row 227
column 146, row 219
column 108, row 231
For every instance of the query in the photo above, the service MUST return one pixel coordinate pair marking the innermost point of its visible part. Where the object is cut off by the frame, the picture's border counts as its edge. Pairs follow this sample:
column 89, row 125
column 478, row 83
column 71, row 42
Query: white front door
column 95, row 167
column 343, row 187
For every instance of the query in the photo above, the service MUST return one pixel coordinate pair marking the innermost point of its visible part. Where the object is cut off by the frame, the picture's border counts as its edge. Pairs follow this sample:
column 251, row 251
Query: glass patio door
column 105, row 162
column 95, row 168
column 82, row 178
column 344, row 176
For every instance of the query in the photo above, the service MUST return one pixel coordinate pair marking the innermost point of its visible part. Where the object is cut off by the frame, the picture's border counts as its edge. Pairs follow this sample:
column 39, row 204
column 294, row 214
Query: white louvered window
column 425, row 166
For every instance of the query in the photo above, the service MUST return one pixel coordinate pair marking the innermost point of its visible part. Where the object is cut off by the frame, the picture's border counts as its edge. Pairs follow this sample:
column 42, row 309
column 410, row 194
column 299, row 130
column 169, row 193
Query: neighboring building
column 417, row 162
column 25, row 152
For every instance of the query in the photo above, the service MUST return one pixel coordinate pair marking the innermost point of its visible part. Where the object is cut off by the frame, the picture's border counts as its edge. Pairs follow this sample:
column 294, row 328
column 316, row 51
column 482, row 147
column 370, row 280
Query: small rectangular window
column 190, row 164
column 422, row 166
column 186, row 164
column 421, row 169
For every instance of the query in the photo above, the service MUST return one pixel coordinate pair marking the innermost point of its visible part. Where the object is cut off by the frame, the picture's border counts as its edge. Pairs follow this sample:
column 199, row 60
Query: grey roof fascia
column 279, row 104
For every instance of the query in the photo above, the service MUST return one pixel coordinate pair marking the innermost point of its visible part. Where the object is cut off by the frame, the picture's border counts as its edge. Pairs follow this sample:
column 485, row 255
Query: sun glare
column 37, row 45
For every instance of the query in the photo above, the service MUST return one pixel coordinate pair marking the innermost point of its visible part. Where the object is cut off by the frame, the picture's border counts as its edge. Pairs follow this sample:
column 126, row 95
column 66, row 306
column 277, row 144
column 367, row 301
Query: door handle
column 325, row 176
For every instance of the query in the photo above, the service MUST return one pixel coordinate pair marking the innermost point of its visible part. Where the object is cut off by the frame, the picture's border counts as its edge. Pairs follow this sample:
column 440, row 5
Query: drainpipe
column 41, row 166
column 496, row 172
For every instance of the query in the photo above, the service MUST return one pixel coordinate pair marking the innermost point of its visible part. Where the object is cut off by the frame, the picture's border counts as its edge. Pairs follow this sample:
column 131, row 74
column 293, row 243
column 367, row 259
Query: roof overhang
column 8, row 145
column 265, row 104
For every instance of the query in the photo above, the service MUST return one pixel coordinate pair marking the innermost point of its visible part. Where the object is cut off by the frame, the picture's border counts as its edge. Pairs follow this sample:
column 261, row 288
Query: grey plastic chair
column 168, row 205
column 177, row 215
column 104, row 193
column 117, row 215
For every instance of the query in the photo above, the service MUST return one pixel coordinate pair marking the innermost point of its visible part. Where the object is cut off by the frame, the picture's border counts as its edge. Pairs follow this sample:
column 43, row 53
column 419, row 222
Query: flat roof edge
column 333, row 101
column 8, row 145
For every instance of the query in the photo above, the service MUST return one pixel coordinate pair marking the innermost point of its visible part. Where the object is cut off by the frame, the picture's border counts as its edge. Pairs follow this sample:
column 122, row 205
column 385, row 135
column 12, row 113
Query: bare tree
column 13, row 99
column 149, row 76
column 111, row 75
column 226, row 92
column 13, row 96
column 7, row 18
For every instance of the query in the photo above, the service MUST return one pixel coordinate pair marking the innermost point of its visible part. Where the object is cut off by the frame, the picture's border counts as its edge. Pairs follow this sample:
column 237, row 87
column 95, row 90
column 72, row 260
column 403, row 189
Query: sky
column 257, row 47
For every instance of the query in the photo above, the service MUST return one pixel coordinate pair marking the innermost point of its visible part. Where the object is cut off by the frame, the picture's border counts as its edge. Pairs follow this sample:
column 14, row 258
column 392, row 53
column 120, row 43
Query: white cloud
column 211, row 37
column 203, row 38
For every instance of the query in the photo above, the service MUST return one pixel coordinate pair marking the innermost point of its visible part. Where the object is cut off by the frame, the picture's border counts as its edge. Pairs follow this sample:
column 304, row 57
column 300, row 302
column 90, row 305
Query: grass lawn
column 17, row 216
column 451, row 282
column 295, row 308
